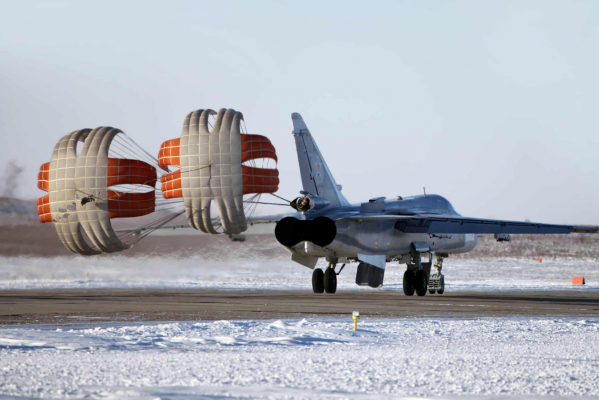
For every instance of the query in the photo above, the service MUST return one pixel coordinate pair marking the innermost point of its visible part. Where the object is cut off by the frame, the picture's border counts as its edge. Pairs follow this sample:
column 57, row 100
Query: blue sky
column 490, row 104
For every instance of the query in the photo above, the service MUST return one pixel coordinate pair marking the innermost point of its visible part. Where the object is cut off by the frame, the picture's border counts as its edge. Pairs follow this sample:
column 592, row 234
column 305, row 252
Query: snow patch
column 309, row 358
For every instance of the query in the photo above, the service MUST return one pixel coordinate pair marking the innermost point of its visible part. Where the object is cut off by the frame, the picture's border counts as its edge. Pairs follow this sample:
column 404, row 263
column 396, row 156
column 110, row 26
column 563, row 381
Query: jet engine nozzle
column 290, row 231
column 308, row 203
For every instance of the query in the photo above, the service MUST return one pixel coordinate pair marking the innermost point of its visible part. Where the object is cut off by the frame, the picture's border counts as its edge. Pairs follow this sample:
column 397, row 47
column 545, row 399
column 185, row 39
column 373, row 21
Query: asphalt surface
column 74, row 305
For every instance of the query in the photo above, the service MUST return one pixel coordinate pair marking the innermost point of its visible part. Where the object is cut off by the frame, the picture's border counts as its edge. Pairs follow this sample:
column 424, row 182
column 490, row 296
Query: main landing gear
column 325, row 281
column 414, row 281
column 416, row 278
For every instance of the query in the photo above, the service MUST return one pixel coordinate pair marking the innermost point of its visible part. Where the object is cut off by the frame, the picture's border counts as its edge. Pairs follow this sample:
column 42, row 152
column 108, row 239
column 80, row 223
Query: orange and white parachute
column 79, row 199
column 215, row 164
column 111, row 177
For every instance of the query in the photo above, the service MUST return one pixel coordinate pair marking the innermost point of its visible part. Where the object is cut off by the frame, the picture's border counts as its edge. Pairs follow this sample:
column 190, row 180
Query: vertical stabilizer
column 316, row 176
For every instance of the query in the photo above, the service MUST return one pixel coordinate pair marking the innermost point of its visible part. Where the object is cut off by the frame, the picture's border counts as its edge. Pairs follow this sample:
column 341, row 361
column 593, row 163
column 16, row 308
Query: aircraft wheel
column 420, row 283
column 330, row 281
column 441, row 285
column 318, row 281
column 431, row 291
column 408, row 283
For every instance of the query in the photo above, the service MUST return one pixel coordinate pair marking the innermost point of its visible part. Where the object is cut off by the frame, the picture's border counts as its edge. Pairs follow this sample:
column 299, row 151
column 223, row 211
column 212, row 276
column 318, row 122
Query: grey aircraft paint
column 380, row 230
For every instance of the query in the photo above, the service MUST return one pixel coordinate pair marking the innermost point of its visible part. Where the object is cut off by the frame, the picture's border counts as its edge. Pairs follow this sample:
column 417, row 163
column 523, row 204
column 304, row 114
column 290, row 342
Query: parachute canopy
column 111, row 177
column 212, row 167
column 79, row 195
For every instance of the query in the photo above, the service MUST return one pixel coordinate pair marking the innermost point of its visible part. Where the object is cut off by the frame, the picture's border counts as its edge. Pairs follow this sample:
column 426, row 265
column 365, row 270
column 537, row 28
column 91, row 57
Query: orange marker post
column 578, row 280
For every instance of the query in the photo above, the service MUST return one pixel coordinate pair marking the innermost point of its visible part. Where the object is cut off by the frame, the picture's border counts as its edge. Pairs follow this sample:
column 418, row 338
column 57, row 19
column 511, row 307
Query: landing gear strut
column 437, row 280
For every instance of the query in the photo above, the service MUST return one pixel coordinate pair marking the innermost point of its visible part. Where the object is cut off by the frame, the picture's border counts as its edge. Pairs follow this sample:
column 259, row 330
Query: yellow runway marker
column 355, row 316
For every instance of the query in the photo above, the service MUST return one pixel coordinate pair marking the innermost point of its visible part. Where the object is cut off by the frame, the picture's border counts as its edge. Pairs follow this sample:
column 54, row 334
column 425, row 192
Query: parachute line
column 157, row 225
column 151, row 226
column 272, row 194
column 151, row 157
column 270, row 204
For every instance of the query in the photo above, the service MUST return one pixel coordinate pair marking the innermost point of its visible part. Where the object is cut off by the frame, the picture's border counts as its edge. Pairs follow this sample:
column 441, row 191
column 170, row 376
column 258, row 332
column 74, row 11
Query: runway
column 68, row 306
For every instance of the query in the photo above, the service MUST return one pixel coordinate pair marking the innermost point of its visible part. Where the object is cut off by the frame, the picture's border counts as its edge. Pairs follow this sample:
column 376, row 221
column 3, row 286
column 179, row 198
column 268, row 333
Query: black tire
column 408, row 283
column 318, row 281
column 420, row 283
column 431, row 291
column 441, row 286
column 330, row 281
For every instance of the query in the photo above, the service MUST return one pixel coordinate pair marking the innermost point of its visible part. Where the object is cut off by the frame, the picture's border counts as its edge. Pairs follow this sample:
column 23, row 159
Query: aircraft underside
column 372, row 244
column 417, row 277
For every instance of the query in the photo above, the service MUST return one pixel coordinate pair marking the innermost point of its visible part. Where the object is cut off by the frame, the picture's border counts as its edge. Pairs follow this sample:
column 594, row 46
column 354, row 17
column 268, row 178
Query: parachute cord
column 151, row 157
column 272, row 194
column 167, row 220
column 168, row 206
column 144, row 227
column 122, row 146
column 130, row 153
column 164, row 207
column 153, row 229
column 136, row 187
column 150, row 227
column 252, row 210
column 132, row 156
column 270, row 204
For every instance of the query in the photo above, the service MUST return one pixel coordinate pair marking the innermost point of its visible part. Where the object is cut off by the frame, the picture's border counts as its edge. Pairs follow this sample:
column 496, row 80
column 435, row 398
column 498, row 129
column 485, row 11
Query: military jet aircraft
column 378, row 230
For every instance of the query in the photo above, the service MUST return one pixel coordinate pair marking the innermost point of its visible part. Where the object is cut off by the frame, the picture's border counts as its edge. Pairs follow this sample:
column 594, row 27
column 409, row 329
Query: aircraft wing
column 459, row 224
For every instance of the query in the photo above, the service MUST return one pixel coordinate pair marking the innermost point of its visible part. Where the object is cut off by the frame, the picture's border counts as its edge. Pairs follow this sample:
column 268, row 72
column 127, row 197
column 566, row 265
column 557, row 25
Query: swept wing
column 459, row 224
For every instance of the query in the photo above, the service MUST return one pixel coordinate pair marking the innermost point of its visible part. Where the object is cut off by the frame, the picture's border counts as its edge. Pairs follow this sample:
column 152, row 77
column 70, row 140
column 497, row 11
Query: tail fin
column 316, row 176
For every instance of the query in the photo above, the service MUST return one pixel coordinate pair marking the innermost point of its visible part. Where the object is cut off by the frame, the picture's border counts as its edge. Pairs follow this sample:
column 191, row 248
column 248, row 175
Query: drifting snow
column 320, row 358
column 239, row 273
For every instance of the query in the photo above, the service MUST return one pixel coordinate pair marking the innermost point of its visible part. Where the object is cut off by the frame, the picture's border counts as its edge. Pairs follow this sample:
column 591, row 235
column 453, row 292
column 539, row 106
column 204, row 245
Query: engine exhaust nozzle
column 321, row 231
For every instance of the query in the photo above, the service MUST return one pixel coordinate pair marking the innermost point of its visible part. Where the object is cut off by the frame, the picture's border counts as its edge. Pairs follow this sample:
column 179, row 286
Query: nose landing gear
column 436, row 282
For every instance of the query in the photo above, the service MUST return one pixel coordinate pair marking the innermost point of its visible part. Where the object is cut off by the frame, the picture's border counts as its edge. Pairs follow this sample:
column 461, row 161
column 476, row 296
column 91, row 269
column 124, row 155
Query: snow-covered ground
column 315, row 358
column 234, row 272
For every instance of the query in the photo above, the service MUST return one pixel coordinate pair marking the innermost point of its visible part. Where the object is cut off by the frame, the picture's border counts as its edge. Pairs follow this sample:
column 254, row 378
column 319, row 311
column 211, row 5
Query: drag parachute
column 98, row 175
column 217, row 163
column 83, row 189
